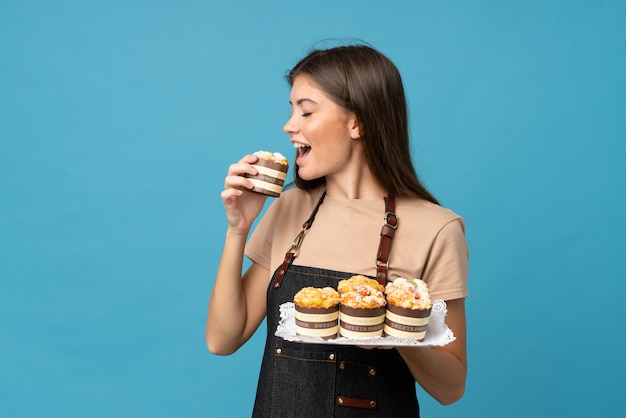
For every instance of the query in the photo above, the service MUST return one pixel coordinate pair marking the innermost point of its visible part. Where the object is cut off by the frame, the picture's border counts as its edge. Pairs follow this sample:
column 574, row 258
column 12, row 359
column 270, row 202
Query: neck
column 355, row 181
column 360, row 187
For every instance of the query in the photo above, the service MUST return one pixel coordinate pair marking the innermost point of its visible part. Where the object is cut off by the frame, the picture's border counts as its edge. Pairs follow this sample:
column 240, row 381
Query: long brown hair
column 364, row 81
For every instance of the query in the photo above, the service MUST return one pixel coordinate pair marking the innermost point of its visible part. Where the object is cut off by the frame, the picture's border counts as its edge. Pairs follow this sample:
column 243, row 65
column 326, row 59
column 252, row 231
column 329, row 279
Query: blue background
column 118, row 121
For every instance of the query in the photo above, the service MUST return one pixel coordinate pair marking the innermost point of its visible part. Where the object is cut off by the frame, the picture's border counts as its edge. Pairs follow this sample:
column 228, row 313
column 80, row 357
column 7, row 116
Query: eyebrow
column 300, row 101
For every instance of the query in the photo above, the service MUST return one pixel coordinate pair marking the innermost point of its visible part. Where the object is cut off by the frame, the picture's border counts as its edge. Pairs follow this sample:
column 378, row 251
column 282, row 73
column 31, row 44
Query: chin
column 307, row 177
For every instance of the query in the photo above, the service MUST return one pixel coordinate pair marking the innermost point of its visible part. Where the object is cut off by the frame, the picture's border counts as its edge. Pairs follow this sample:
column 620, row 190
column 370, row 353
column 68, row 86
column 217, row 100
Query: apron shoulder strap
column 295, row 246
column 384, row 247
column 386, row 235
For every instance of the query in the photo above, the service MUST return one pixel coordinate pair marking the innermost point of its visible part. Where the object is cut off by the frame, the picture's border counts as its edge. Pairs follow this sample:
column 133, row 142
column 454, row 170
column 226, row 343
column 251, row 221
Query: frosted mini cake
column 272, row 170
column 362, row 307
column 317, row 312
column 408, row 308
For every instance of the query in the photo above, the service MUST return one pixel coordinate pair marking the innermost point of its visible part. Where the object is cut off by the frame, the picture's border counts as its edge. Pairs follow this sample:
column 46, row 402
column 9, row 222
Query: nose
column 290, row 127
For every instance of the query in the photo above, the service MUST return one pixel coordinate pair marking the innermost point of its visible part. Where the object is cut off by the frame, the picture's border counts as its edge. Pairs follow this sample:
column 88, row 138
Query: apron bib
column 325, row 380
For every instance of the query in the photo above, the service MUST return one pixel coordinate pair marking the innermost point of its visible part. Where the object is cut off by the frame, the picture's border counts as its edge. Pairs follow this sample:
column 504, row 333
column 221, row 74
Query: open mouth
column 302, row 149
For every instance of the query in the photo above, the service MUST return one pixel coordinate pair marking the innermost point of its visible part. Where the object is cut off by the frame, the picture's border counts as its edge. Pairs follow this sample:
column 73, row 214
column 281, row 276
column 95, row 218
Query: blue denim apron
column 324, row 380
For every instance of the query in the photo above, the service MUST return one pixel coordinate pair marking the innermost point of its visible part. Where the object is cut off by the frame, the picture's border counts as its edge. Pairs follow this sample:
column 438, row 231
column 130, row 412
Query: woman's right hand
column 242, row 206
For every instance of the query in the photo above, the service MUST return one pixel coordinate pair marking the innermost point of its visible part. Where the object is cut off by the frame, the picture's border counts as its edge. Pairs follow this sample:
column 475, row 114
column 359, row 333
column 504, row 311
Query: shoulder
column 426, row 211
column 295, row 195
column 427, row 218
column 296, row 200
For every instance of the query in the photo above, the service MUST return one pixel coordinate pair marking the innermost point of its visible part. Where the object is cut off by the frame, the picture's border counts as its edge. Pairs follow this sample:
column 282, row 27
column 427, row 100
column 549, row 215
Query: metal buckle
column 295, row 246
column 391, row 215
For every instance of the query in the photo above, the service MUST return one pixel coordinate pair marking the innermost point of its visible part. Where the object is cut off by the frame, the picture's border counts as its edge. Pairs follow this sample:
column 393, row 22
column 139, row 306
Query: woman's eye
column 306, row 114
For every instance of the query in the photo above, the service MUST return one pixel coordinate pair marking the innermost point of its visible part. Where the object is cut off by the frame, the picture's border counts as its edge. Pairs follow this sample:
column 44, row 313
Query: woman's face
column 322, row 131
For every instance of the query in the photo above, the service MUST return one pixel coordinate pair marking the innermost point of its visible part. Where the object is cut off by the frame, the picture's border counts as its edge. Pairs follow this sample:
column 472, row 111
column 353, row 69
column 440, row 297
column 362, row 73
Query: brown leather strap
column 386, row 235
column 295, row 246
column 384, row 247
column 356, row 402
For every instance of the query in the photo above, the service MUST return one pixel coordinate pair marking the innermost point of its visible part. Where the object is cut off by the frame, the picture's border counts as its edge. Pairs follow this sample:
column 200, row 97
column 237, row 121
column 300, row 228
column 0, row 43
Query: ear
column 354, row 127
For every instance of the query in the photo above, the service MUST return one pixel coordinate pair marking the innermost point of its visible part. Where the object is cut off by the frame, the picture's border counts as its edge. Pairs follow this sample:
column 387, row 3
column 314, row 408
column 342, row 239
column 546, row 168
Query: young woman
column 353, row 167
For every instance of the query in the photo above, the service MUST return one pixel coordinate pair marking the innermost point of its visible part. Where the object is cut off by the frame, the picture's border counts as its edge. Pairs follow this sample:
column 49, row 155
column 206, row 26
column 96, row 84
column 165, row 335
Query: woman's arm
column 441, row 371
column 237, row 304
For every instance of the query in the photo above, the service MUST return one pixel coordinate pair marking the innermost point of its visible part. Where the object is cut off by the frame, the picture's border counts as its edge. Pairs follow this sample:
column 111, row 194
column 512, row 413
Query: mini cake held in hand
column 317, row 312
column 362, row 308
column 408, row 308
column 272, row 170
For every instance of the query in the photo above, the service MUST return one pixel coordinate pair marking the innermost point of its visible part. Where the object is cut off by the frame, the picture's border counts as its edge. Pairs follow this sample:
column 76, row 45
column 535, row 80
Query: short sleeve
column 446, row 271
column 259, row 245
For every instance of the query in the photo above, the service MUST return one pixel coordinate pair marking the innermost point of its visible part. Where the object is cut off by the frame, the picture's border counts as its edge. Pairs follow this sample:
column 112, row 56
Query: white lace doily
column 437, row 332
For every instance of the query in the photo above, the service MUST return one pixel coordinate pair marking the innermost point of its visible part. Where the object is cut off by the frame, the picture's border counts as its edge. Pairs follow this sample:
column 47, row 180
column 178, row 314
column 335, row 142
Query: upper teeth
column 297, row 145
